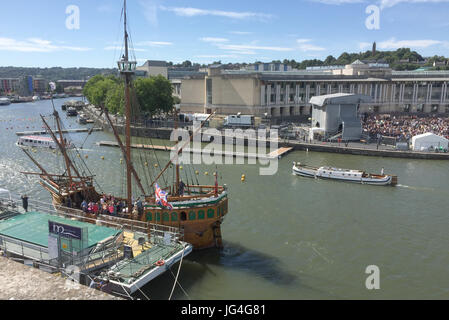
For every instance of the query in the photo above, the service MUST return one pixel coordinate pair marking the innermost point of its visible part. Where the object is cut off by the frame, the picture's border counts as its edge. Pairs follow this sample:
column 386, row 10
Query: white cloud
column 218, row 56
column 35, row 45
column 150, row 8
column 339, row 2
column 394, row 44
column 214, row 40
column 110, row 48
column 390, row 3
column 382, row 3
column 252, row 48
column 155, row 43
column 305, row 45
column 192, row 12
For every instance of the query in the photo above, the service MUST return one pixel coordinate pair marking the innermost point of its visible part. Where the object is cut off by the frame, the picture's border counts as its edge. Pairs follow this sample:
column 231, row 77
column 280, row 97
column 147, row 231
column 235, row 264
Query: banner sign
column 64, row 230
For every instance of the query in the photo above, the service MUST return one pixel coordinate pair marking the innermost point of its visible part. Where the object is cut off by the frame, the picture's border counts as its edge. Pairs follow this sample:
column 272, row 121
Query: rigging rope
column 179, row 269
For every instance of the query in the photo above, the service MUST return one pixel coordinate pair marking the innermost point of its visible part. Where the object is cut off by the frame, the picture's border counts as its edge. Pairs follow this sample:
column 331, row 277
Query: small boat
column 5, row 102
column 39, row 142
column 345, row 175
column 82, row 119
column 71, row 112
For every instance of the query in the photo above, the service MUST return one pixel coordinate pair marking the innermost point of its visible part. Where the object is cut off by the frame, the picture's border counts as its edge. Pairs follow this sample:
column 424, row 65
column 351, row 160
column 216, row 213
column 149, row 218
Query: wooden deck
column 42, row 132
column 280, row 152
column 273, row 155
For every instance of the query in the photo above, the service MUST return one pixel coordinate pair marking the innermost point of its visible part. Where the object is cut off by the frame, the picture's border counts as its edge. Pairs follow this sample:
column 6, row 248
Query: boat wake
column 425, row 189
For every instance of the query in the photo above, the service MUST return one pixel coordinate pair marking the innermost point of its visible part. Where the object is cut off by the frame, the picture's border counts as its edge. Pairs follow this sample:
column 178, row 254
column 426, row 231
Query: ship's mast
column 127, row 69
column 177, row 159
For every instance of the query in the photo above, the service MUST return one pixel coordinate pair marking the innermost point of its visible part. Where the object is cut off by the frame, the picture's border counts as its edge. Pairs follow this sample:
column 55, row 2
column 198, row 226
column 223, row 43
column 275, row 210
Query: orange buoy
column 160, row 263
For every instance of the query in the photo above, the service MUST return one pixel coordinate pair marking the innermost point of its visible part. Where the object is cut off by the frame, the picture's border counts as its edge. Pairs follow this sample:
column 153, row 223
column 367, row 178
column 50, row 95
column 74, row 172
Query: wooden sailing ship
column 198, row 209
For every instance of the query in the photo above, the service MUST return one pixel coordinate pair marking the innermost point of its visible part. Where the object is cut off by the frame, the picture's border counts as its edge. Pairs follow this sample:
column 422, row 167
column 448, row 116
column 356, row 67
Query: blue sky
column 34, row 33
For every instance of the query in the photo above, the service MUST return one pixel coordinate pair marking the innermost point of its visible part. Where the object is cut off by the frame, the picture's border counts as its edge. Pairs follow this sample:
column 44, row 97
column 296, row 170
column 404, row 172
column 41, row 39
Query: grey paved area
column 20, row 282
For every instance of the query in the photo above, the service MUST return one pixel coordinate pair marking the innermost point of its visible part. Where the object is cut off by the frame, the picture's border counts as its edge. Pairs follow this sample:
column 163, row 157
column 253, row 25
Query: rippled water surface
column 286, row 237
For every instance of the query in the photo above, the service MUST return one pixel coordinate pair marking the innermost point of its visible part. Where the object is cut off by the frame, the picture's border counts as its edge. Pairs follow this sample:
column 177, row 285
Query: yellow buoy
column 156, row 165
column 215, row 174
column 243, row 178
column 197, row 172
column 206, row 173
column 181, row 167
column 102, row 158
column 121, row 161
column 146, row 164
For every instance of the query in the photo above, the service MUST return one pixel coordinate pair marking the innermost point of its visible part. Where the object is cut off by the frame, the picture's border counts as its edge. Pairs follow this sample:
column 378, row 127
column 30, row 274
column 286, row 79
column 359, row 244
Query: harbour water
column 285, row 237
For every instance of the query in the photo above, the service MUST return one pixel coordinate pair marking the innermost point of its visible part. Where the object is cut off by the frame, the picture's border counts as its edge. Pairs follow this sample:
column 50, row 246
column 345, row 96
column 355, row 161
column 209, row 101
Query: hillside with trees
column 54, row 74
column 401, row 59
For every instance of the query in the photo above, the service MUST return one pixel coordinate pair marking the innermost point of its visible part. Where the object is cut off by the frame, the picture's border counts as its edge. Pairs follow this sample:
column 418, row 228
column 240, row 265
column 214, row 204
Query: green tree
column 115, row 99
column 155, row 95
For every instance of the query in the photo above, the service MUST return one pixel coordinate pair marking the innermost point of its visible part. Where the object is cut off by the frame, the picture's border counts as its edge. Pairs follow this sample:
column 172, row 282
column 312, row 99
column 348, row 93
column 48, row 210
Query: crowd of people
column 403, row 128
column 108, row 205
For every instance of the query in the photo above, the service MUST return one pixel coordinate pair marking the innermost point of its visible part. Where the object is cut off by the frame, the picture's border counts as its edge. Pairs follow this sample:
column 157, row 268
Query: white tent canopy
column 426, row 141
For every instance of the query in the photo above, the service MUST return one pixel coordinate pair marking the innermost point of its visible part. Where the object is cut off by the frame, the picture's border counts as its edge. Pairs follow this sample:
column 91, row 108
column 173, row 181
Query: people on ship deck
column 181, row 188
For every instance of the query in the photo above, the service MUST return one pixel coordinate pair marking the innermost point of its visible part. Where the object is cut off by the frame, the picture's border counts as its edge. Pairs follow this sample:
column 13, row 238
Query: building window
column 209, row 91
column 192, row 215
column 210, row 213
column 201, row 215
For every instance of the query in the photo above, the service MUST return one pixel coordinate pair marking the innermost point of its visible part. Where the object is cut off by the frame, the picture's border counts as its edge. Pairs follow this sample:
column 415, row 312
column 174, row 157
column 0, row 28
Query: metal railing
column 157, row 230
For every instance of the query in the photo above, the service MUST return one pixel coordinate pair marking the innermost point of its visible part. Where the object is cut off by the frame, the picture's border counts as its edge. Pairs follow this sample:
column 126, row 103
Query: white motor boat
column 39, row 142
column 5, row 102
column 345, row 175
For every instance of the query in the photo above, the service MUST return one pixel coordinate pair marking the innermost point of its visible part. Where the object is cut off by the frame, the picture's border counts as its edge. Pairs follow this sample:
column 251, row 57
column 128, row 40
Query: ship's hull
column 378, row 180
column 200, row 219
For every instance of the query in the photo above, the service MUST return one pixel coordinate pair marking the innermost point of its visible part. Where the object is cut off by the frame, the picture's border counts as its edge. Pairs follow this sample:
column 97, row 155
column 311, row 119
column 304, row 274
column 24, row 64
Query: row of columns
column 381, row 93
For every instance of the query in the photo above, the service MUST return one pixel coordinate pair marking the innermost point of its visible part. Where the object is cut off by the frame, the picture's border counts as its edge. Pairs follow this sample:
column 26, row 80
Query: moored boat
column 5, row 102
column 40, row 142
column 71, row 112
column 345, row 175
column 197, row 209
column 82, row 118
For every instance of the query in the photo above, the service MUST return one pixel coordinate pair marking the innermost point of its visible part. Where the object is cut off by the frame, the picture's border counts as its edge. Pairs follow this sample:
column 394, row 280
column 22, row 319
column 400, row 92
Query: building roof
column 357, row 62
column 339, row 98
column 155, row 63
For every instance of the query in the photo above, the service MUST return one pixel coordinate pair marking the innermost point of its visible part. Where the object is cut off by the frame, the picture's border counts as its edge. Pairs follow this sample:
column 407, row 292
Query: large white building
column 154, row 68
column 288, row 93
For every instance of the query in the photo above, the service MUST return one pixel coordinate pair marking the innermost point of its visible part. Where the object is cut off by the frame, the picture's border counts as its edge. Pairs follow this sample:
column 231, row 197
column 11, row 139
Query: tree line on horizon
column 394, row 58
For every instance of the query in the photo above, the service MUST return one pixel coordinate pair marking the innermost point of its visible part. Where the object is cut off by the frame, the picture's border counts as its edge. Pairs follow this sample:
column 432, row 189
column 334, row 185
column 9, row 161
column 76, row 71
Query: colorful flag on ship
column 161, row 198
